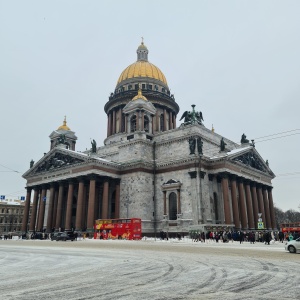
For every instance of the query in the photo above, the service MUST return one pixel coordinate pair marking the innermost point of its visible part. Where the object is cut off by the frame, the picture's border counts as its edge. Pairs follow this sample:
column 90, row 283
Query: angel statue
column 192, row 117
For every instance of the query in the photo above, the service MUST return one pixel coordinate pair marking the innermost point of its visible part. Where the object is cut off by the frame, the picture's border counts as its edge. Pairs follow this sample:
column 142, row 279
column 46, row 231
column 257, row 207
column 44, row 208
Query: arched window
column 173, row 206
column 162, row 122
column 216, row 207
column 146, row 123
column 133, row 124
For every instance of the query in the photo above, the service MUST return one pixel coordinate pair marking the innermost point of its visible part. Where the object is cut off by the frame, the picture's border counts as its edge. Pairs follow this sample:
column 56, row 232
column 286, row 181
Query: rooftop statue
column 94, row 146
column 192, row 145
column 192, row 117
column 31, row 163
column 244, row 140
column 222, row 144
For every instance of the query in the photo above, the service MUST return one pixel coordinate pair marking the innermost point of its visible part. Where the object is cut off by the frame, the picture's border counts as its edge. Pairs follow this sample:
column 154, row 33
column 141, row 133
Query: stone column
column 266, row 206
column 42, row 210
column 261, row 207
column 235, row 208
column 142, row 121
column 174, row 121
column 178, row 202
column 254, row 202
column 108, row 124
column 59, row 206
column 225, row 189
column 170, row 120
column 55, row 208
column 157, row 121
column 50, row 209
column 26, row 210
column 105, row 199
column 113, row 121
column 79, row 209
column 165, row 202
column 165, row 120
column 244, row 220
column 126, row 125
column 120, row 120
column 138, row 120
column 34, row 210
column 271, row 207
column 117, row 203
column 91, row 205
column 68, row 225
column 249, row 206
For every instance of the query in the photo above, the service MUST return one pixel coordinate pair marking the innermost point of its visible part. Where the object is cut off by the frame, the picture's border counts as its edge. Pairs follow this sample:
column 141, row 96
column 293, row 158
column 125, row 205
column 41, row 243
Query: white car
column 293, row 246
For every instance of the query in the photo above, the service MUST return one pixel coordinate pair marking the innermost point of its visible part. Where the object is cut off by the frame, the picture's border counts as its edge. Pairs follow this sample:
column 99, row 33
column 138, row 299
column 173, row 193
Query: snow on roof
column 231, row 152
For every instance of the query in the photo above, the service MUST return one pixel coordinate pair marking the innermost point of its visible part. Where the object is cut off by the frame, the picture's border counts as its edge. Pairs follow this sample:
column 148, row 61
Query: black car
column 62, row 236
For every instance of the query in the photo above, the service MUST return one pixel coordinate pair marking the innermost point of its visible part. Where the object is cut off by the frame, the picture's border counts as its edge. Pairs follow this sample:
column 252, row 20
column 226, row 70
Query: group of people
column 241, row 236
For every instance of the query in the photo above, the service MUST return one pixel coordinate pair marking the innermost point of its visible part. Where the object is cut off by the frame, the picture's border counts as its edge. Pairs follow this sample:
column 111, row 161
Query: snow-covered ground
column 147, row 269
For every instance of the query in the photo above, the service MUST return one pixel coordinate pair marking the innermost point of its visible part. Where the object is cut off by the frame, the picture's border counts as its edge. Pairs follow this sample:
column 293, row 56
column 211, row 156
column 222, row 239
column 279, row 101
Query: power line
column 279, row 137
column 276, row 134
column 11, row 170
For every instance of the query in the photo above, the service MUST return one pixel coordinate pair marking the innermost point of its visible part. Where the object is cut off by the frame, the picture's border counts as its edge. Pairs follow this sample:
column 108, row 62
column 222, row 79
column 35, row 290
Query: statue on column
column 222, row 144
column 192, row 144
column 200, row 146
column 94, row 146
column 244, row 139
column 31, row 163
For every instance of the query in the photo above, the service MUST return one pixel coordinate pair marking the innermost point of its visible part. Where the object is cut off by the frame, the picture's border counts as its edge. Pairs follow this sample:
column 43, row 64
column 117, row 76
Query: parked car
column 293, row 246
column 62, row 236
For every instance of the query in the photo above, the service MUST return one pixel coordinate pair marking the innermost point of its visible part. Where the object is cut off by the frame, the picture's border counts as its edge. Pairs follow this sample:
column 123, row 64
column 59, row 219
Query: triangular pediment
column 55, row 160
column 251, row 158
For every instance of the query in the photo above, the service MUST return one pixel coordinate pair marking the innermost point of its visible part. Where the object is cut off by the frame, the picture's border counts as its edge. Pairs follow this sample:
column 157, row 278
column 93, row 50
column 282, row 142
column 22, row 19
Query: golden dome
column 139, row 96
column 64, row 126
column 142, row 69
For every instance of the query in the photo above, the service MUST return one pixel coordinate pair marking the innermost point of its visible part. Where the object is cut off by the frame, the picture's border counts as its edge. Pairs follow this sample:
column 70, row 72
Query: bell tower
column 63, row 137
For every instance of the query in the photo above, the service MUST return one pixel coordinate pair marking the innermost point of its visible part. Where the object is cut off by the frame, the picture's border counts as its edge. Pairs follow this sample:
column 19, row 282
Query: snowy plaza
column 146, row 269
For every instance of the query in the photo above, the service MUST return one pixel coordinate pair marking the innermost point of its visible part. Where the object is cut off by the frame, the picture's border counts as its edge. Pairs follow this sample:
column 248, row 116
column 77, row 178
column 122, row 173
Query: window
column 146, row 123
column 143, row 86
column 163, row 90
column 216, row 207
column 173, row 206
column 149, row 86
column 136, row 87
column 129, row 87
column 133, row 124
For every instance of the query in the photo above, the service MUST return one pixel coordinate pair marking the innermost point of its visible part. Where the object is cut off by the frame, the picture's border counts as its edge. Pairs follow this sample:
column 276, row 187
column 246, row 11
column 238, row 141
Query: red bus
column 290, row 227
column 126, row 229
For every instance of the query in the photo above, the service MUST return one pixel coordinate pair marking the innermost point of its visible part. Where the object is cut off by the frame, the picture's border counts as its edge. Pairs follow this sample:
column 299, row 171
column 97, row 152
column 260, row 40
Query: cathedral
column 175, row 177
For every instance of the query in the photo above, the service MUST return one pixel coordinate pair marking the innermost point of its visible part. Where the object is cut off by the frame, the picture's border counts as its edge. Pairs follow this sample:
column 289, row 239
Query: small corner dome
column 64, row 126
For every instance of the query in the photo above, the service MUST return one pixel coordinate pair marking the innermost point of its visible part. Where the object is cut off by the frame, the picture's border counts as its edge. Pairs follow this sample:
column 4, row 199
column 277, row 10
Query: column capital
column 233, row 177
column 81, row 178
column 29, row 188
column 269, row 188
column 211, row 177
column 247, row 181
column 224, row 175
column 258, row 185
column 253, row 184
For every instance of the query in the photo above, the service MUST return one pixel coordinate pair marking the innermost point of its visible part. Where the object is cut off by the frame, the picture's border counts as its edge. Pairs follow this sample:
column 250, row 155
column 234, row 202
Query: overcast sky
column 238, row 61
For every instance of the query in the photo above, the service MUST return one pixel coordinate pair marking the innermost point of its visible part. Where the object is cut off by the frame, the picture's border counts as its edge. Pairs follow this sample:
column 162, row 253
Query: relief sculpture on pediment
column 251, row 160
column 57, row 161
